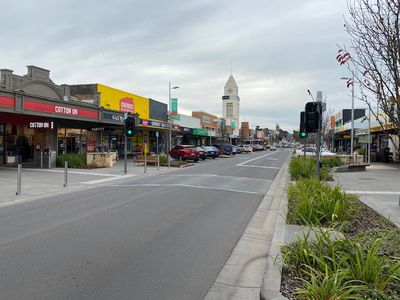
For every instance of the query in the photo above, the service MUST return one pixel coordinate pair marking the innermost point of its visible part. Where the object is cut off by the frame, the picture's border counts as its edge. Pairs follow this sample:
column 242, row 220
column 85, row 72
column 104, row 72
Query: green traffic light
column 303, row 134
column 129, row 131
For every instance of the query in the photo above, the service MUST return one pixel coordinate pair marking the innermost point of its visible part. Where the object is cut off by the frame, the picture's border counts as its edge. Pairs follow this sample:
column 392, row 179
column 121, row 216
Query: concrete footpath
column 242, row 276
column 38, row 183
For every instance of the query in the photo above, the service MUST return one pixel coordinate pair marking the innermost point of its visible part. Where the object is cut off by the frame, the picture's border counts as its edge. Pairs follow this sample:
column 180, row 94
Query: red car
column 184, row 152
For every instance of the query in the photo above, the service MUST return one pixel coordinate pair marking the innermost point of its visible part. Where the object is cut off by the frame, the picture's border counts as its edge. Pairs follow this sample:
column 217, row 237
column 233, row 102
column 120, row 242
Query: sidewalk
column 378, row 187
column 47, row 182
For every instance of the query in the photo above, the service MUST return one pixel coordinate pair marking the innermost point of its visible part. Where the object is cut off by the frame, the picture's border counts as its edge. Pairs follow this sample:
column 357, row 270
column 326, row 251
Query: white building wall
column 188, row 121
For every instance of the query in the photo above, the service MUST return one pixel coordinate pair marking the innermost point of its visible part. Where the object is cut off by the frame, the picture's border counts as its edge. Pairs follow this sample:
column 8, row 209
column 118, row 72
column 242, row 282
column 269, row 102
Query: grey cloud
column 279, row 48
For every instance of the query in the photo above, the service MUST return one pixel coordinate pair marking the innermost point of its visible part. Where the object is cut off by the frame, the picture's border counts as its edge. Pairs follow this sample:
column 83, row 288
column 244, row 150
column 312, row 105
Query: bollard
column 158, row 161
column 19, row 175
column 145, row 163
column 65, row 174
column 41, row 159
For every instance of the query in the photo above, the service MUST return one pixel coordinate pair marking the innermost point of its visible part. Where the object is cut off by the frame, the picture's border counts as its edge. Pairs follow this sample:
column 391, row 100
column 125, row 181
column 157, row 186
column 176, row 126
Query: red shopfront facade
column 29, row 125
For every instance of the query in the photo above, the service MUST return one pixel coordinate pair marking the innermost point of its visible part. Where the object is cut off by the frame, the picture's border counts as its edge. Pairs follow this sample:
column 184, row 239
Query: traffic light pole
column 125, row 148
column 318, row 140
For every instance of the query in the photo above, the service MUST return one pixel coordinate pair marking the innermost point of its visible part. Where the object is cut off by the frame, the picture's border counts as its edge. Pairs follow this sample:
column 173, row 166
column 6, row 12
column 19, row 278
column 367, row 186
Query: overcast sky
column 278, row 49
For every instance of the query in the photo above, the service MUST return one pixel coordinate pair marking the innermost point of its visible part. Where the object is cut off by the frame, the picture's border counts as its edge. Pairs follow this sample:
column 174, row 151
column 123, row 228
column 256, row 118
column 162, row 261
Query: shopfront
column 200, row 136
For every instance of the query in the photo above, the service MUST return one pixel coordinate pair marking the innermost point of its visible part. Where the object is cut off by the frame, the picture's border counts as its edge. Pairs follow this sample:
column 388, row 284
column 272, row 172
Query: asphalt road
column 157, row 237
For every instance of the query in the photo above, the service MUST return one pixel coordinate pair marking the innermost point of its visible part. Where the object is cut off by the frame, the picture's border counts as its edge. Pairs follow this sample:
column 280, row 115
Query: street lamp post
column 352, row 113
column 170, row 121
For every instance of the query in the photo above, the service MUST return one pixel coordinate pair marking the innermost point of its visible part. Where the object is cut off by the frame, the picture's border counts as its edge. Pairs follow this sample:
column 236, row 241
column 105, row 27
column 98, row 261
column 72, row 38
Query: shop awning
column 200, row 131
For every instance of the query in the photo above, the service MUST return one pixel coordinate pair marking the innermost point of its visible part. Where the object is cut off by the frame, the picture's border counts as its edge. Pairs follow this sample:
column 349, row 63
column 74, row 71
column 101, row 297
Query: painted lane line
column 216, row 175
column 107, row 179
column 185, row 186
column 262, row 167
column 250, row 160
column 73, row 172
column 373, row 192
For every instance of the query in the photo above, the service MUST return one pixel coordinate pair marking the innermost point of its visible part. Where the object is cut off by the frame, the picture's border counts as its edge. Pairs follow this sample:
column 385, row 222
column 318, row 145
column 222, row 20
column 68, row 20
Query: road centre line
column 184, row 185
column 372, row 192
column 250, row 160
column 215, row 175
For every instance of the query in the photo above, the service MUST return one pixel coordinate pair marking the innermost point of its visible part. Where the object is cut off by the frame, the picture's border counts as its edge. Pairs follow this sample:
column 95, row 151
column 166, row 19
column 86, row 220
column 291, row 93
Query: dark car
column 224, row 148
column 211, row 151
column 202, row 153
column 184, row 152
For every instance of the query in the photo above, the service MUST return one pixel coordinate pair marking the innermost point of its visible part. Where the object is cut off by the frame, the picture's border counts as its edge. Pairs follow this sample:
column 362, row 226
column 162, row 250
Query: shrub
column 331, row 162
column 163, row 159
column 361, row 151
column 75, row 160
column 370, row 268
column 327, row 285
column 300, row 168
column 305, row 168
column 312, row 202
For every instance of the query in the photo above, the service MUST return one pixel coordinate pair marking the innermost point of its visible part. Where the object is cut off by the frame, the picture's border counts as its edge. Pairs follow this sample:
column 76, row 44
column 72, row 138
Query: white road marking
column 74, row 172
column 373, row 192
column 262, row 167
column 215, row 175
column 108, row 179
column 250, row 160
column 184, row 185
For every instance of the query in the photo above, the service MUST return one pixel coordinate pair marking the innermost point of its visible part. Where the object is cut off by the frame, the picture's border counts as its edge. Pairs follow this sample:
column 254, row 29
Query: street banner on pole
column 174, row 106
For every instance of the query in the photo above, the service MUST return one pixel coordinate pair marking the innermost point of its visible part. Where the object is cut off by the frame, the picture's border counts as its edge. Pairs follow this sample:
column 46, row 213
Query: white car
column 326, row 152
column 310, row 151
column 247, row 148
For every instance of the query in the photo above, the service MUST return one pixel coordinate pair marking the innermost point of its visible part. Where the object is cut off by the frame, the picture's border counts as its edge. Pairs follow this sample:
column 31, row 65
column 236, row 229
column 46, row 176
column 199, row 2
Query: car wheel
column 213, row 157
column 196, row 160
column 203, row 158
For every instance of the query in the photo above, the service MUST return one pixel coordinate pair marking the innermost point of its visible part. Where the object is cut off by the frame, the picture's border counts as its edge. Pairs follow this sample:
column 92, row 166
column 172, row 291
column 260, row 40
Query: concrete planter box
column 101, row 159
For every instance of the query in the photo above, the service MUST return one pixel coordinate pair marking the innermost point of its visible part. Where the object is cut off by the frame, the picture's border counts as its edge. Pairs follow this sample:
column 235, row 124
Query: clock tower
column 230, row 106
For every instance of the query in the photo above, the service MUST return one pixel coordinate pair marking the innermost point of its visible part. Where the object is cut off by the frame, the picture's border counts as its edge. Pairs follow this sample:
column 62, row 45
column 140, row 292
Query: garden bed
column 365, row 264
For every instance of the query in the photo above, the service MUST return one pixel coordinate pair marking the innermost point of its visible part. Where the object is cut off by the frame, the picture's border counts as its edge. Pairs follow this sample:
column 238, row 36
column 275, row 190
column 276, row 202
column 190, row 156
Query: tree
column 374, row 61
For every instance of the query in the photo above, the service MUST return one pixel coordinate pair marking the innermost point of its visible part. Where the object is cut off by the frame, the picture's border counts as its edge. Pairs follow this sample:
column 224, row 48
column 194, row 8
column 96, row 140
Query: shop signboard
column 7, row 101
column 41, row 125
column 174, row 106
column 200, row 131
column 60, row 109
column 111, row 117
column 127, row 105
column 186, row 130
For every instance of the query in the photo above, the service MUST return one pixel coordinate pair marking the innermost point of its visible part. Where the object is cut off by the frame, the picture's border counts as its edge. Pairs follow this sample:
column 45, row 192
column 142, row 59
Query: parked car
column 184, row 152
column 310, row 151
column 247, row 149
column 258, row 147
column 202, row 153
column 211, row 151
column 236, row 150
column 326, row 152
column 273, row 148
column 225, row 149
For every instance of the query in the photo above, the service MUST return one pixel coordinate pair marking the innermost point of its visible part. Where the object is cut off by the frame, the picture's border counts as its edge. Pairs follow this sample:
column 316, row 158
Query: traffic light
column 312, row 119
column 130, row 126
column 303, row 134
